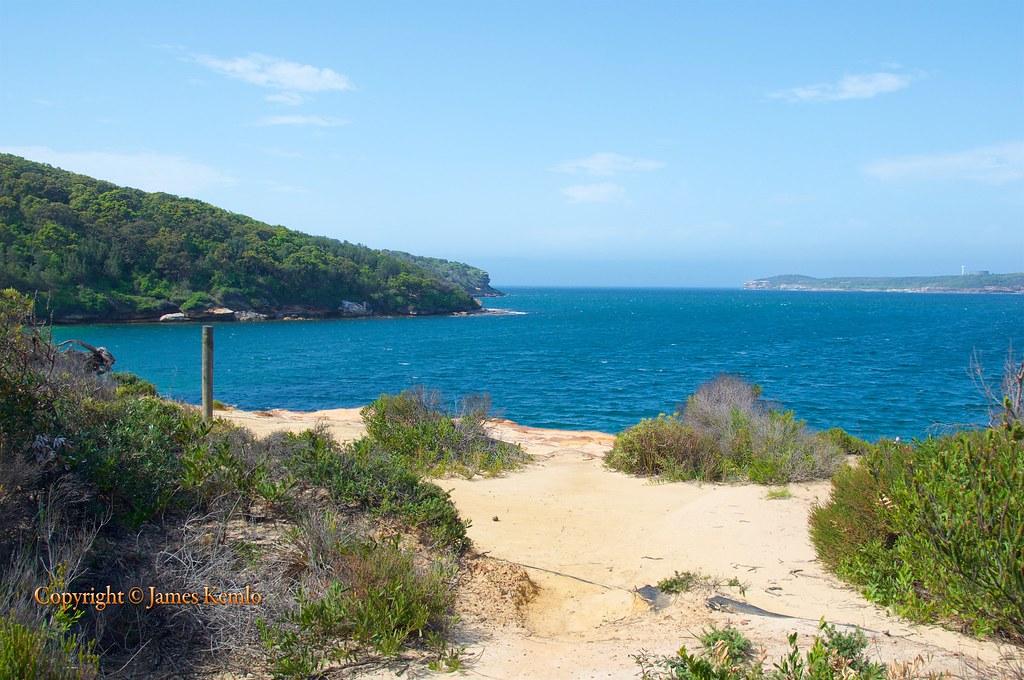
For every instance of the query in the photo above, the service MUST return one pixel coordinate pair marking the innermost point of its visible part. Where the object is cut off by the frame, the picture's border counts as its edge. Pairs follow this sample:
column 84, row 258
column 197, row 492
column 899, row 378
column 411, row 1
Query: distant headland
column 968, row 282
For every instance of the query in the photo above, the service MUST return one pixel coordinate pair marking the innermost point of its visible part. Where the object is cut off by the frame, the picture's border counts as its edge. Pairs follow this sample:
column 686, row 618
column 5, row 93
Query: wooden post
column 207, row 373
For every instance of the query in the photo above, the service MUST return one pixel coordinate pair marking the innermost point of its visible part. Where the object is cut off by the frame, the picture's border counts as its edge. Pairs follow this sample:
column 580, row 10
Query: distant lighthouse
column 963, row 270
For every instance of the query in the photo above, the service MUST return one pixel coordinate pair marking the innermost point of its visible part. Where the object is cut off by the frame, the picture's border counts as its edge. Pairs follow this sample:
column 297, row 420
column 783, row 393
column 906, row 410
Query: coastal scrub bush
column 934, row 529
column 736, row 645
column 363, row 475
column 131, row 385
column 131, row 449
column 850, row 445
column 665, row 446
column 765, row 445
column 103, row 483
column 355, row 594
column 414, row 426
column 725, row 432
column 685, row 581
column 728, row 655
column 43, row 654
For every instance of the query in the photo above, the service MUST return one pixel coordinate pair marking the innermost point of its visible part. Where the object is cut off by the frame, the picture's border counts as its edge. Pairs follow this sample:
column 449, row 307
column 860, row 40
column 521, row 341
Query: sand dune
column 589, row 537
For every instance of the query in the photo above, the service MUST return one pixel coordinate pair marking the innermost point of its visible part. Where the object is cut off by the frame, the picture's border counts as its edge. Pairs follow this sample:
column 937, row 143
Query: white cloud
column 996, row 164
column 606, row 164
column 286, row 98
column 857, row 86
column 170, row 173
column 288, row 77
column 601, row 192
column 315, row 121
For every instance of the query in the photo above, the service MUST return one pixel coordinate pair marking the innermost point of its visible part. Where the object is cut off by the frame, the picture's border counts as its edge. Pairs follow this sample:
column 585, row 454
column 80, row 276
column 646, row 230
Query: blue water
column 876, row 364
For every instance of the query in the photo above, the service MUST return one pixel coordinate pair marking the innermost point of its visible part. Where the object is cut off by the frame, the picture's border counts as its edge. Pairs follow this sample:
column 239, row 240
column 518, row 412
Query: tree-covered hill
column 92, row 250
column 472, row 279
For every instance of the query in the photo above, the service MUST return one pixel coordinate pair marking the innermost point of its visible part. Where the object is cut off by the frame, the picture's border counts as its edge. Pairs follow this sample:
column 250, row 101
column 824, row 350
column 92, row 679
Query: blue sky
column 690, row 144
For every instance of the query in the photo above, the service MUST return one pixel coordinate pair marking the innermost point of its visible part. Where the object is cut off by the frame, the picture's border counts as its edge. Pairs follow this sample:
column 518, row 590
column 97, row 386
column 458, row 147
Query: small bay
column 877, row 364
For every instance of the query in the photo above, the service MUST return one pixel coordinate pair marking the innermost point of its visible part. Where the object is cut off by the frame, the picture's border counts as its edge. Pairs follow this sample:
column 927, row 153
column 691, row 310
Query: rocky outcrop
column 348, row 308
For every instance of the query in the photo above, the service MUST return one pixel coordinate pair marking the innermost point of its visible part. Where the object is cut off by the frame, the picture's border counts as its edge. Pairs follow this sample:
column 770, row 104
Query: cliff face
column 93, row 251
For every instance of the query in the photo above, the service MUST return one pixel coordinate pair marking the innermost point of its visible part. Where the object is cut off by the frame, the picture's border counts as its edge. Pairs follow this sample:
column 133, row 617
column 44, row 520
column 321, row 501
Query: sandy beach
column 588, row 538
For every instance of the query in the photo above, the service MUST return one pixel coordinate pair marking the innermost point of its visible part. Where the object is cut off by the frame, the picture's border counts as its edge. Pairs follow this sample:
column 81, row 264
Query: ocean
column 876, row 364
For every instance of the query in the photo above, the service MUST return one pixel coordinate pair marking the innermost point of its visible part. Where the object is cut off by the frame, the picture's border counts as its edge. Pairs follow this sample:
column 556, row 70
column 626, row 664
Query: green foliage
column 665, row 446
column 850, row 445
column 725, row 432
column 230, row 462
column 415, row 427
column 362, row 475
column 377, row 600
column 197, row 302
column 91, row 463
column 473, row 280
column 680, row 582
column 98, row 251
column 736, row 645
column 935, row 530
column 131, row 449
column 131, row 385
column 728, row 655
column 779, row 494
column 43, row 654
column 685, row 581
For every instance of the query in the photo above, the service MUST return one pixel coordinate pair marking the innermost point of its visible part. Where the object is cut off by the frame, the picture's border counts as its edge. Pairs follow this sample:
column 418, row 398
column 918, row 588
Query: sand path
column 588, row 537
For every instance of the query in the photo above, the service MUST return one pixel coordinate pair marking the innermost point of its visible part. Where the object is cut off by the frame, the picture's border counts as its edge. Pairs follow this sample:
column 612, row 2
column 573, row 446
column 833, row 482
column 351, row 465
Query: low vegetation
column 416, row 427
column 726, row 432
column 685, row 581
column 736, row 646
column 727, row 654
column 102, row 483
column 935, row 529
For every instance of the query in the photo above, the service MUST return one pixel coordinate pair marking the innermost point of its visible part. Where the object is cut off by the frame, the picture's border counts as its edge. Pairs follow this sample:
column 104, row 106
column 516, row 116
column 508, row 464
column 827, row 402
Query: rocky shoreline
column 227, row 315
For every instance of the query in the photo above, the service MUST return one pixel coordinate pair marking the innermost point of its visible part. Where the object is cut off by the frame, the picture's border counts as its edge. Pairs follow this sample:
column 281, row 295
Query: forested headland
column 89, row 250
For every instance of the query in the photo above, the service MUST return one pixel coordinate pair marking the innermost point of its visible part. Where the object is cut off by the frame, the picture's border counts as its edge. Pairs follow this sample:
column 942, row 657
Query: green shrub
column 850, row 445
column 735, row 644
column 376, row 599
column 43, row 654
column 131, row 385
column 853, row 517
column 664, row 446
column 935, row 530
column 197, row 302
column 229, row 462
column 131, row 449
column 685, row 581
column 415, row 427
column 725, row 432
column 727, row 656
column 363, row 475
